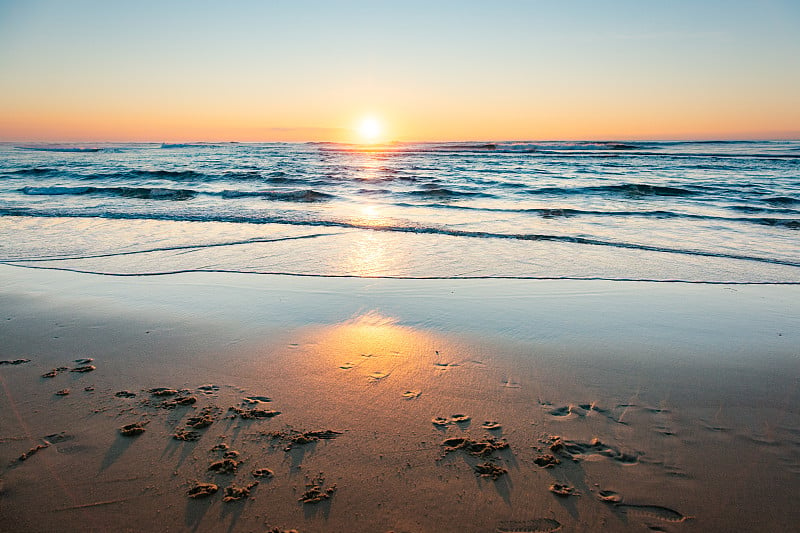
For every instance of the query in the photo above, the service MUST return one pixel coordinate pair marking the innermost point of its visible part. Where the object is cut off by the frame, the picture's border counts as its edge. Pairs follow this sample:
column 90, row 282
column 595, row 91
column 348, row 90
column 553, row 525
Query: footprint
column 537, row 525
column 460, row 419
column 653, row 511
column 411, row 394
column 256, row 399
column 510, row 384
column 347, row 366
column 575, row 449
column 491, row 425
column 609, row 496
column 377, row 376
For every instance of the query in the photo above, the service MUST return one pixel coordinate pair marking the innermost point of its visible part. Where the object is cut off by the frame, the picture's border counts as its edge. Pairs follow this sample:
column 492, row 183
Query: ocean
column 710, row 212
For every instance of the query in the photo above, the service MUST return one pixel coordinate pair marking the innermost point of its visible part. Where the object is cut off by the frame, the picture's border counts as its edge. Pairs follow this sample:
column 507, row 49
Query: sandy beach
column 220, row 402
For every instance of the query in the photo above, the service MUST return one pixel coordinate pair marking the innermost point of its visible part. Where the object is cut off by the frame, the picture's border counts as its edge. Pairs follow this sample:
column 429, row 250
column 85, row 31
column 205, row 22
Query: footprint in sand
column 537, row 525
column 378, row 376
column 256, row 399
column 653, row 511
column 444, row 367
column 411, row 394
column 347, row 366
column 510, row 384
column 460, row 419
column 577, row 450
column 569, row 412
column 491, row 425
column 609, row 496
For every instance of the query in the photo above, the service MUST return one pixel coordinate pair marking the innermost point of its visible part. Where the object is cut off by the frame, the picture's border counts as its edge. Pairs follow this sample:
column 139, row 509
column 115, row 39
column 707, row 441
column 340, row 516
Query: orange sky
column 312, row 71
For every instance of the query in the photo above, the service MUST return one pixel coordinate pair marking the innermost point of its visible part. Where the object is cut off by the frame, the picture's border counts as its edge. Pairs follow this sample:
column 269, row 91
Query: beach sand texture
column 247, row 403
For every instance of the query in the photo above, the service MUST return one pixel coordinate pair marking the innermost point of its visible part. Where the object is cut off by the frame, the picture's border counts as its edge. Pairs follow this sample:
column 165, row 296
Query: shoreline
column 681, row 385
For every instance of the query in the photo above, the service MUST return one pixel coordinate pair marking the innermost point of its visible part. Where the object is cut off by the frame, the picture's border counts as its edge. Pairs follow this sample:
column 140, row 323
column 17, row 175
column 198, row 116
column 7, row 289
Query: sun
column 369, row 130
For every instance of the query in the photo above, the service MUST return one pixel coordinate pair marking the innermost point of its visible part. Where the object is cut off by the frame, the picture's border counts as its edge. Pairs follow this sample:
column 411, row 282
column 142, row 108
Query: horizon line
column 384, row 143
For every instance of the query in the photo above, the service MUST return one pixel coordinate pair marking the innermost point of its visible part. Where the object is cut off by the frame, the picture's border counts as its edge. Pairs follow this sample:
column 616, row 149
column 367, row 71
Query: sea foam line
column 398, row 277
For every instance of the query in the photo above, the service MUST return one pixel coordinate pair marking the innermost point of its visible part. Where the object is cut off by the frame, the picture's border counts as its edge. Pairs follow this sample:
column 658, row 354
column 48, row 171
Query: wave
column 77, row 149
column 491, row 147
column 158, row 193
column 148, row 193
column 33, row 171
column 781, row 200
column 442, row 192
column 307, row 195
column 624, row 189
column 554, row 212
column 188, row 145
column 398, row 277
column 410, row 228
column 165, row 175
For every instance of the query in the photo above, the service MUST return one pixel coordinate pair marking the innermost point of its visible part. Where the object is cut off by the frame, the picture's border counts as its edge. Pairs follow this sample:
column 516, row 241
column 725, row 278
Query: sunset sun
column 369, row 130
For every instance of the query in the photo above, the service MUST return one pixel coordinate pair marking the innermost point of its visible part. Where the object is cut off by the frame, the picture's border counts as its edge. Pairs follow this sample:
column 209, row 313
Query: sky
column 171, row 71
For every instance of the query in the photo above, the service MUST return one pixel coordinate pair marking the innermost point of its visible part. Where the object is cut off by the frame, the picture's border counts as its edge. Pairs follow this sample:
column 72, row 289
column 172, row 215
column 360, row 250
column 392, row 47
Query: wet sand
column 247, row 403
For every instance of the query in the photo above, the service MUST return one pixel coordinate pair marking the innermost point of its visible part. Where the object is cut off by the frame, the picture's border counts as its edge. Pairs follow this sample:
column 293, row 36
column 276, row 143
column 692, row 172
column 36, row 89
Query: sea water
column 662, row 211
